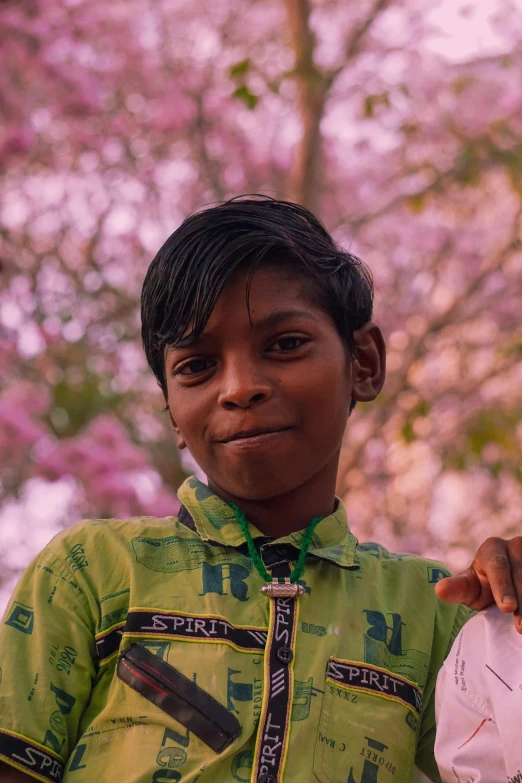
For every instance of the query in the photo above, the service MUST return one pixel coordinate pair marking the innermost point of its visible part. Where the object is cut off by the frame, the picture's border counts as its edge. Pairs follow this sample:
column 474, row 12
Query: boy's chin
column 258, row 487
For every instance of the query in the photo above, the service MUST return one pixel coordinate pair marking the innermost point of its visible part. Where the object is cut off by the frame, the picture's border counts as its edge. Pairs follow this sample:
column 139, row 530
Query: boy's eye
column 289, row 343
column 192, row 367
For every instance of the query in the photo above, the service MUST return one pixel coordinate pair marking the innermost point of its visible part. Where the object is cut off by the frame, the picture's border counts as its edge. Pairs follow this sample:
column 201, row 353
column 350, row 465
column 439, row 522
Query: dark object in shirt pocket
column 179, row 697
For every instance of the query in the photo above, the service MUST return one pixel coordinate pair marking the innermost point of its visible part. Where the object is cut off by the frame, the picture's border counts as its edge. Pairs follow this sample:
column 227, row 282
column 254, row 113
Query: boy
column 478, row 707
column 252, row 637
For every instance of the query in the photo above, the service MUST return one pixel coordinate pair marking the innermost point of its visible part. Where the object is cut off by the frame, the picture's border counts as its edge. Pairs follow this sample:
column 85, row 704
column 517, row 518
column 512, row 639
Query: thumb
column 464, row 588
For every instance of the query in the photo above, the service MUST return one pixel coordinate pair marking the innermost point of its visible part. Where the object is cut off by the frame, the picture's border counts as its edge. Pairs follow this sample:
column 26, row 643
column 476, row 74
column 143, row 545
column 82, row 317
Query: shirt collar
column 215, row 522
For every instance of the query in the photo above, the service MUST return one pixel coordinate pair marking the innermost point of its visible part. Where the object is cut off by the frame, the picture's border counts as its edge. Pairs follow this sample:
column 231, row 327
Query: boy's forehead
column 269, row 289
column 271, row 296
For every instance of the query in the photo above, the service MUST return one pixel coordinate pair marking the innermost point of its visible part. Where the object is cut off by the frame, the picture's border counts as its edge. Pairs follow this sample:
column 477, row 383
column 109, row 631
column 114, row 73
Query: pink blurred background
column 398, row 121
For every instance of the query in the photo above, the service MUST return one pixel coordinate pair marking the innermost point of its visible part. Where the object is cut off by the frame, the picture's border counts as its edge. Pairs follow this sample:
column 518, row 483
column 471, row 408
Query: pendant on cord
column 282, row 588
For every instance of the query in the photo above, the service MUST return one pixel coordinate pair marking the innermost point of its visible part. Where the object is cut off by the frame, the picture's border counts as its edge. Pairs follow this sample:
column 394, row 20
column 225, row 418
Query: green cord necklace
column 280, row 587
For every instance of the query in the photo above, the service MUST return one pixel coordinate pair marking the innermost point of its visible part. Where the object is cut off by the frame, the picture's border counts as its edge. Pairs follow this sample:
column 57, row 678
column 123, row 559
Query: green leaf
column 495, row 468
column 81, row 403
column 469, row 168
column 407, row 432
column 245, row 95
column 371, row 102
column 461, row 83
column 416, row 202
column 422, row 408
column 495, row 426
column 240, row 69
column 460, row 462
column 368, row 106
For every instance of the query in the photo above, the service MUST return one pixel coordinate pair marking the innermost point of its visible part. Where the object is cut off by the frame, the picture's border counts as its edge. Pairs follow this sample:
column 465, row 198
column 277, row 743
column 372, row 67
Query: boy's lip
column 253, row 433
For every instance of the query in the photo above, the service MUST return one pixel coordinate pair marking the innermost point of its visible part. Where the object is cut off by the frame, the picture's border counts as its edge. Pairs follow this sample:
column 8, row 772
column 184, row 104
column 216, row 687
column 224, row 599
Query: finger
column 514, row 550
column 492, row 565
column 464, row 588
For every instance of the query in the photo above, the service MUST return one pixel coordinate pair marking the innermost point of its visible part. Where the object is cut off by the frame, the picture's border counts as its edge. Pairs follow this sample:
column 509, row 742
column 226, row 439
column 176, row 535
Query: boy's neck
column 281, row 515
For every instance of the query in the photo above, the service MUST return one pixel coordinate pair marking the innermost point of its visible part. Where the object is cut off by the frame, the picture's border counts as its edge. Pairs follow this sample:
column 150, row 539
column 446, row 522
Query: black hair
column 189, row 272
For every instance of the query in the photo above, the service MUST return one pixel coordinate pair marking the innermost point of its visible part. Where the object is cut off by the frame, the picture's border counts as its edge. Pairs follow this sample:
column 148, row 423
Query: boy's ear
column 369, row 365
column 180, row 440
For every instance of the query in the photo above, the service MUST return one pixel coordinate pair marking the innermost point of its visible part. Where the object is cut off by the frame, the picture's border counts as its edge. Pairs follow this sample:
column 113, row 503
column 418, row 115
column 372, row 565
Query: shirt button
column 267, row 779
column 285, row 654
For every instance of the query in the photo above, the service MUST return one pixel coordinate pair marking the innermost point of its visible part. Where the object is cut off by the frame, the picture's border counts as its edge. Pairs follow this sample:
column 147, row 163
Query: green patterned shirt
column 227, row 684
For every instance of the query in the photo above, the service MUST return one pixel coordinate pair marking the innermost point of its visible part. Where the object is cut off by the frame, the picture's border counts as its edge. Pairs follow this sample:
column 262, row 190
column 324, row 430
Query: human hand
column 495, row 576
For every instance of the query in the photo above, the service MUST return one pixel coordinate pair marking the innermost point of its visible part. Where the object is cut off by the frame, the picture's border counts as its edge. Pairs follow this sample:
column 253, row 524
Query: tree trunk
column 312, row 86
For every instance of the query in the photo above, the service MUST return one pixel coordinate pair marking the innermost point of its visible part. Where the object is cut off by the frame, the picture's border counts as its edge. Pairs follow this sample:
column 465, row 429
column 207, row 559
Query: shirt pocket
column 224, row 661
column 368, row 725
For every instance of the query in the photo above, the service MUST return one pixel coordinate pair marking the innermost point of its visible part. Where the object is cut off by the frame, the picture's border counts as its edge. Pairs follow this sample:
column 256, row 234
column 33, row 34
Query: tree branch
column 208, row 165
column 353, row 44
column 313, row 87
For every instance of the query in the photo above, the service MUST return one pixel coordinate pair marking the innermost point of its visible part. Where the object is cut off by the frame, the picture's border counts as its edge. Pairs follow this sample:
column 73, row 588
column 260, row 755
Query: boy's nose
column 243, row 387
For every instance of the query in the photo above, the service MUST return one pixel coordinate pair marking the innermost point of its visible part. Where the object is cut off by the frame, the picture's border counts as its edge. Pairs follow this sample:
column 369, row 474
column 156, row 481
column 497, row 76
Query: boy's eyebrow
column 283, row 315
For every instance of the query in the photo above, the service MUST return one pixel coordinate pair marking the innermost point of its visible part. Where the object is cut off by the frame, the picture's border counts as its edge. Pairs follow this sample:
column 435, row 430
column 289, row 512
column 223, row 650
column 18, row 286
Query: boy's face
column 261, row 398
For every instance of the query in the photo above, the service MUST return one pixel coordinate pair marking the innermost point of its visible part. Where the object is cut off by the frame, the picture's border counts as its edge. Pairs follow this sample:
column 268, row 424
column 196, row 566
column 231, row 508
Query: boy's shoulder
column 115, row 531
column 400, row 563
column 99, row 558
column 104, row 543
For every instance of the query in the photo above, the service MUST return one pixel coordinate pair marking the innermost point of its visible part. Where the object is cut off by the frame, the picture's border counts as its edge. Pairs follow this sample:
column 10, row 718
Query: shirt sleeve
column 425, row 757
column 46, row 668
column 468, row 744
